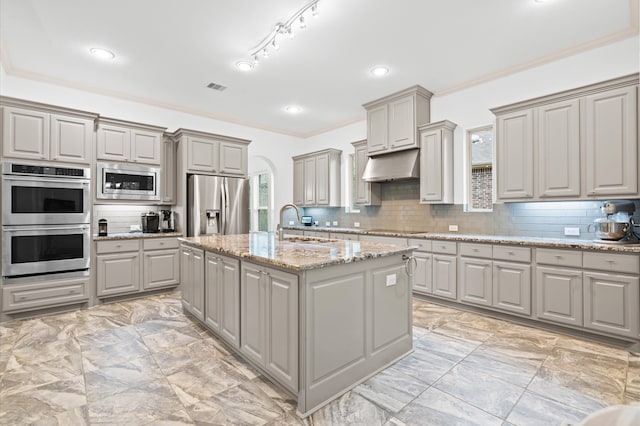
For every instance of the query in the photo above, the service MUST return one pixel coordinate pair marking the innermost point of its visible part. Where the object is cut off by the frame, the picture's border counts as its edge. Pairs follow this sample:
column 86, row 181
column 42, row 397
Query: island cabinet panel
column 192, row 280
column 611, row 303
column 269, row 321
column 222, row 297
column 391, row 285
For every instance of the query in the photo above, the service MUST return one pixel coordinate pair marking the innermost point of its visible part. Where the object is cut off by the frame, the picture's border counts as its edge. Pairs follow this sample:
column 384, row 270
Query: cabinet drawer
column 571, row 258
column 423, row 245
column 621, row 263
column 24, row 297
column 445, row 247
column 476, row 250
column 160, row 243
column 117, row 246
column 516, row 254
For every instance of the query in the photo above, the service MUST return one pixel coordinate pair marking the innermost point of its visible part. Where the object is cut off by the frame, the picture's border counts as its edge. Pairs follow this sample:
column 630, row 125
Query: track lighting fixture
column 270, row 42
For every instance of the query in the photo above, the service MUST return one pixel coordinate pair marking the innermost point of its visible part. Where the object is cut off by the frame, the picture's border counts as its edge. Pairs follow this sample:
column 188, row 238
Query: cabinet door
column 230, row 301
column 558, row 143
column 309, row 181
column 512, row 287
column 114, row 143
column 515, row 155
column 282, row 327
column 402, row 125
column 44, row 294
column 431, row 166
column 71, row 139
column 233, row 159
column 298, row 182
column 213, row 279
column 559, row 295
column 168, row 171
column 161, row 269
column 422, row 277
column 145, row 146
column 322, row 180
column 197, row 307
column 186, row 277
column 25, row 134
column 612, row 143
column 202, row 155
column 444, row 276
column 377, row 129
column 475, row 278
column 611, row 303
column 253, row 314
column 118, row 273
column 366, row 193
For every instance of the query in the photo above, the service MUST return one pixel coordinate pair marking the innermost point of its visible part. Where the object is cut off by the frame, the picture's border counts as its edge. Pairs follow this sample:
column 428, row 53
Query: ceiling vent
column 218, row 87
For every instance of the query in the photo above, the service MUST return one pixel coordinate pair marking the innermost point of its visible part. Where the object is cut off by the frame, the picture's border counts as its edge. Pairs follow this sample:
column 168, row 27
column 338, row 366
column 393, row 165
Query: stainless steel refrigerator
column 217, row 205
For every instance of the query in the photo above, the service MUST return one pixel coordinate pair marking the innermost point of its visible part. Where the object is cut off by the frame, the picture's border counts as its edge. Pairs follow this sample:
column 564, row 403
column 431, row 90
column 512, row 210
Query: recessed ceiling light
column 244, row 65
column 102, row 53
column 379, row 71
column 293, row 109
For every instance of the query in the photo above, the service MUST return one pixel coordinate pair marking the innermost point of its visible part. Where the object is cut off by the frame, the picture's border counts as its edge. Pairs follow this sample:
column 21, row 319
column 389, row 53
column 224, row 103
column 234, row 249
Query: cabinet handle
column 72, row 292
column 511, row 253
column 22, row 297
column 558, row 257
column 475, row 250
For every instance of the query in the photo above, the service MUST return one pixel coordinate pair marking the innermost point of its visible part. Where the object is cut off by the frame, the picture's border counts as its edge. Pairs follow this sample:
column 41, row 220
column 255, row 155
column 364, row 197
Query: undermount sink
column 308, row 240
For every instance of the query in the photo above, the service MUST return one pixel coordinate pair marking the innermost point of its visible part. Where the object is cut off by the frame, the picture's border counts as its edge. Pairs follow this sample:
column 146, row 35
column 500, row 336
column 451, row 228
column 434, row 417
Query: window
column 261, row 202
column 480, row 180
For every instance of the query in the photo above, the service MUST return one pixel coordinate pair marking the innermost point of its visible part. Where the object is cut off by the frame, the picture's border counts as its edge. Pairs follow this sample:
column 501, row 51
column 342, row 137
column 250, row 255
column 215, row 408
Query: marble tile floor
column 143, row 362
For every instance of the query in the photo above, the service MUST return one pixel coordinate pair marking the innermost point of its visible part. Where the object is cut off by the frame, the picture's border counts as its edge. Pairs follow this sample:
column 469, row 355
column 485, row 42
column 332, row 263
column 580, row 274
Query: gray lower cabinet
column 161, row 266
column 269, row 321
column 117, row 267
column 611, row 303
column 476, row 281
column 444, row 276
column 559, row 295
column 222, row 296
column 423, row 262
column 25, row 297
column 512, row 287
column 192, row 280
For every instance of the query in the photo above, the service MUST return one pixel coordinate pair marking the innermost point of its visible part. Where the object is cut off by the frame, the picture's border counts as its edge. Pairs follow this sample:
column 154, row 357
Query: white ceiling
column 168, row 51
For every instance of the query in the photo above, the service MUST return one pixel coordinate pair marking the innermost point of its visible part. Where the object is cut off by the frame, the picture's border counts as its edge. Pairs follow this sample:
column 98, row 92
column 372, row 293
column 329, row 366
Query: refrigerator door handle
column 224, row 229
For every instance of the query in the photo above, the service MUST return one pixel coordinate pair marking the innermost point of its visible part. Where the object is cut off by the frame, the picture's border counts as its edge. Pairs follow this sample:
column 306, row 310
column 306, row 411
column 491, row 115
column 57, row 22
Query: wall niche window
column 480, row 179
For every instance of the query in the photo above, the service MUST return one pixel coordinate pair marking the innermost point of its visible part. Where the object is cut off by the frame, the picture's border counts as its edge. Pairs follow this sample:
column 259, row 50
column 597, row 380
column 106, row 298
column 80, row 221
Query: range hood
column 393, row 166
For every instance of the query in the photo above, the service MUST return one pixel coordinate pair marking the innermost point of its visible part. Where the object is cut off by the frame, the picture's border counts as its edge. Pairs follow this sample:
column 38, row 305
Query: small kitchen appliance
column 166, row 221
column 102, row 228
column 150, row 222
column 618, row 226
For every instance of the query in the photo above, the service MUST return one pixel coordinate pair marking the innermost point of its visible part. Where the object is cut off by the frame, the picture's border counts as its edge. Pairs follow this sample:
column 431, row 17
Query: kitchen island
column 317, row 316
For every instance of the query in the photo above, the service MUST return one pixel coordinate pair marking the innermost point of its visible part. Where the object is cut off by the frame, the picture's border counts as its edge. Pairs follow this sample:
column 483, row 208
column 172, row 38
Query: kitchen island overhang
column 352, row 316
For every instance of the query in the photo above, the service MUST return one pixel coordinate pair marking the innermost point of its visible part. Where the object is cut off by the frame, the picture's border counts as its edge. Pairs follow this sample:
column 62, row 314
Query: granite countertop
column 296, row 254
column 132, row 235
column 568, row 243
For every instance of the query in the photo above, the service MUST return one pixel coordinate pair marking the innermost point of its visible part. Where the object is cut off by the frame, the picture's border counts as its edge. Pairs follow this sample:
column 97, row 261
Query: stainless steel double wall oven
column 45, row 220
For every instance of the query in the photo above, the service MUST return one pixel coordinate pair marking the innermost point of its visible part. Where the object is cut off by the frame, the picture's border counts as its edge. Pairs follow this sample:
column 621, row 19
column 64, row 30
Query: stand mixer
column 618, row 227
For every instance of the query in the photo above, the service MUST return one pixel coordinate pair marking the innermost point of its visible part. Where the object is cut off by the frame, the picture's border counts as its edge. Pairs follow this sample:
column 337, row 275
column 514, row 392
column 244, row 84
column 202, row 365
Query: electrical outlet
column 453, row 228
column 135, row 228
column 327, row 223
column 572, row 231
column 356, row 224
column 335, row 223
column 391, row 280
column 290, row 223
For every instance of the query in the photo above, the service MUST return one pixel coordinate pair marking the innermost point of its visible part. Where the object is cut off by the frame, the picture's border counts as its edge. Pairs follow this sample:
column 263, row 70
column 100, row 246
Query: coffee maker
column 166, row 221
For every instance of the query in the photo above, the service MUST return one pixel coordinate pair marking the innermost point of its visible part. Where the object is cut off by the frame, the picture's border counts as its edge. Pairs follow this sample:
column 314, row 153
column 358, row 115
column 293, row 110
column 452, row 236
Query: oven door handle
column 36, row 179
column 14, row 229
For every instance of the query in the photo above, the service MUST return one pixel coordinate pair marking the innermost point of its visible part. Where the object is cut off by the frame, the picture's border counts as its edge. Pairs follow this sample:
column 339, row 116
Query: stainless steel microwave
column 127, row 182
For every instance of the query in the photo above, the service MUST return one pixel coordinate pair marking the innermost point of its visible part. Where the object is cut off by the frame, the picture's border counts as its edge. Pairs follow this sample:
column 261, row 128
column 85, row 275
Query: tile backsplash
column 401, row 211
column 119, row 217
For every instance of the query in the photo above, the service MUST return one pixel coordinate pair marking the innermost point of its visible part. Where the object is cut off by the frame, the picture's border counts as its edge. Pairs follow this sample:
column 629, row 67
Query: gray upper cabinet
column 316, row 178
column 436, row 163
column 129, row 142
column 169, row 174
column 612, row 142
column 206, row 153
column 393, row 121
column 578, row 144
column 46, row 133
column 366, row 193
column 558, row 143
column 514, row 153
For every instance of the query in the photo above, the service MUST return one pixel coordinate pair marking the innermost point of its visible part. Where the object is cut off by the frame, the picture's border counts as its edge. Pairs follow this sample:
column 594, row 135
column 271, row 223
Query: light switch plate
column 335, row 223
column 391, row 280
column 290, row 222
column 135, row 228
column 453, row 228
column 572, row 231
column 327, row 223
column 356, row 224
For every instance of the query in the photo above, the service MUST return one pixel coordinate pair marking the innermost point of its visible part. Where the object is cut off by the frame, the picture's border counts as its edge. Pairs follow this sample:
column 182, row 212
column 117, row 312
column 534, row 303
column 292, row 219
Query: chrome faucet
column 279, row 227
